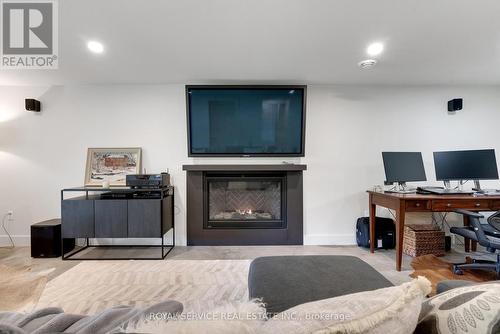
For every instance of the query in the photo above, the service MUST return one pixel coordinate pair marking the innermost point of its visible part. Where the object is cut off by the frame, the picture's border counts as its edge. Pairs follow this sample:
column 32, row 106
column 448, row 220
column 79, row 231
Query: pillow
column 53, row 319
column 10, row 329
column 391, row 310
column 469, row 309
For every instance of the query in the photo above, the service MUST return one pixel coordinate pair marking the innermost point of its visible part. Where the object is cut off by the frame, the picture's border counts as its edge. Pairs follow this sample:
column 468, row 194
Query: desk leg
column 469, row 245
column 467, row 241
column 373, row 214
column 400, row 228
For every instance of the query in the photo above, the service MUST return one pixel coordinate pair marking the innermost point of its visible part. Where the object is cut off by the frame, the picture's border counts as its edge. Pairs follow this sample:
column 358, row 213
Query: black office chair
column 487, row 236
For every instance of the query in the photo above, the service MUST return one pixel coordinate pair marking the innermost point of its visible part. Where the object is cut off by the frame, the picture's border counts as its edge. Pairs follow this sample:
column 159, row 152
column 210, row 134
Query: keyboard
column 487, row 192
column 443, row 191
column 402, row 191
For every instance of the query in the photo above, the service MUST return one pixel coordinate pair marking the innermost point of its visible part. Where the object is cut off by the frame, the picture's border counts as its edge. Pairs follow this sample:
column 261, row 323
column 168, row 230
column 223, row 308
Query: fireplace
column 244, row 204
column 245, row 201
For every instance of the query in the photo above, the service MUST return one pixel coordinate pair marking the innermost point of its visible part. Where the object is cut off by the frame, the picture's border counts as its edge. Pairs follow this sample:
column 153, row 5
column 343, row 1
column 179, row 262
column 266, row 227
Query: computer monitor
column 403, row 167
column 466, row 165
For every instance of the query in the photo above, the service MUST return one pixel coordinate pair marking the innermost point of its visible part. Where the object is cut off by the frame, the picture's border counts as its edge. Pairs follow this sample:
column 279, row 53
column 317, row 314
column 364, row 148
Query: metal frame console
column 129, row 213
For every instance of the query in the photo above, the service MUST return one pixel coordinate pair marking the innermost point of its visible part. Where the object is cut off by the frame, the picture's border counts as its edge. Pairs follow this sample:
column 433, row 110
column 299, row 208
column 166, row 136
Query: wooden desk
column 402, row 203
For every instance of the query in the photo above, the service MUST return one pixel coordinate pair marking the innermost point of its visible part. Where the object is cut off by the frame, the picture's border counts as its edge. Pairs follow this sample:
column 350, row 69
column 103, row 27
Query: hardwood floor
column 20, row 257
column 436, row 270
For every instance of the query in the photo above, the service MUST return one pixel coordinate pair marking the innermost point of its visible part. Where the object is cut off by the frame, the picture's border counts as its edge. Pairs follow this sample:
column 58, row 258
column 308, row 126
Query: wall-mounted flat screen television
column 246, row 120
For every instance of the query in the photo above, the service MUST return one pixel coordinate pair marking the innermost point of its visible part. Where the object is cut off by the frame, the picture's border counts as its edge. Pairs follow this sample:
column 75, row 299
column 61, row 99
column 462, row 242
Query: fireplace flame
column 245, row 211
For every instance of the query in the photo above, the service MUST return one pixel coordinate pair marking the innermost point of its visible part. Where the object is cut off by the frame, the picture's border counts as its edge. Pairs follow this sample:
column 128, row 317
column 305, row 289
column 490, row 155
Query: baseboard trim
column 330, row 239
column 309, row 239
column 19, row 240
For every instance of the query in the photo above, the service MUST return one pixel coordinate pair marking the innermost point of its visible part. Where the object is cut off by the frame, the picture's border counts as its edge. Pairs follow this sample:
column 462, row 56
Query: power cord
column 5, row 229
column 444, row 221
column 392, row 214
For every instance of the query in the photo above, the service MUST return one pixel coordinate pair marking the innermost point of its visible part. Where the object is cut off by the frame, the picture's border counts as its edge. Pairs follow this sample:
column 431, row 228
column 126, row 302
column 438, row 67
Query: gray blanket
column 54, row 320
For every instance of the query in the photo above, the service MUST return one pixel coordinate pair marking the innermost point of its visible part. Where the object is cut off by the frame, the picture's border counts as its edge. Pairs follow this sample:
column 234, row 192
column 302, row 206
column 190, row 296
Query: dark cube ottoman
column 286, row 281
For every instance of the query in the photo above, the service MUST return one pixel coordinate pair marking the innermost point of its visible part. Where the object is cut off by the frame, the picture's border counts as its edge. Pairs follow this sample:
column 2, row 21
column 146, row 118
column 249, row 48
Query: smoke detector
column 366, row 64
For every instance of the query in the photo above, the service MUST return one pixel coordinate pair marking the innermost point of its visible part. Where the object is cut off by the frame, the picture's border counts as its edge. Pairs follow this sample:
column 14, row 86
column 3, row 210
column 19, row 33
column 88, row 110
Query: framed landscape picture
column 111, row 165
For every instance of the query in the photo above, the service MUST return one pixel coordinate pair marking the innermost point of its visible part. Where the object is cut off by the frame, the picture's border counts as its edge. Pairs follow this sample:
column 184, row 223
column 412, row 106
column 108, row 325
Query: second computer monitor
column 403, row 167
column 466, row 165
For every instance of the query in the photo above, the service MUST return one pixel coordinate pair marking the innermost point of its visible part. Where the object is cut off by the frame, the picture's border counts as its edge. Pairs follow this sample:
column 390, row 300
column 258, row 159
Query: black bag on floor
column 385, row 232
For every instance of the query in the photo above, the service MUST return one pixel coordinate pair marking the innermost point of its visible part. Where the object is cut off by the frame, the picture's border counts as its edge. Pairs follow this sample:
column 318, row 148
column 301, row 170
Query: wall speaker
column 32, row 105
column 455, row 104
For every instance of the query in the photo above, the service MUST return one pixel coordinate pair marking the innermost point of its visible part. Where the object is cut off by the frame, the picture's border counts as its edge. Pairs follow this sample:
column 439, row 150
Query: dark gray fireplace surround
column 244, row 204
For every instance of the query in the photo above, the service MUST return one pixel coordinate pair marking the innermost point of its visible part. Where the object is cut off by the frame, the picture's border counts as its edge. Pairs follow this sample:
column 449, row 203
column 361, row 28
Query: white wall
column 347, row 128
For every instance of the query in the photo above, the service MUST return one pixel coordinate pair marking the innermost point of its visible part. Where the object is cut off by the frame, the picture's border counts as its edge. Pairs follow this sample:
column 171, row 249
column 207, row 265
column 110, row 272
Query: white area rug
column 92, row 286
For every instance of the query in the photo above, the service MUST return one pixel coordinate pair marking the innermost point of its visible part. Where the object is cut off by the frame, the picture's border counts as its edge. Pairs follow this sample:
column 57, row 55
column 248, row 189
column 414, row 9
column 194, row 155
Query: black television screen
column 246, row 120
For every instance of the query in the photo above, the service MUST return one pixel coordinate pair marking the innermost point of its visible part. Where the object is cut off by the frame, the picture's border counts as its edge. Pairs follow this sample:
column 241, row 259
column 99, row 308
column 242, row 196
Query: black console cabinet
column 143, row 217
column 78, row 217
column 138, row 213
column 110, row 219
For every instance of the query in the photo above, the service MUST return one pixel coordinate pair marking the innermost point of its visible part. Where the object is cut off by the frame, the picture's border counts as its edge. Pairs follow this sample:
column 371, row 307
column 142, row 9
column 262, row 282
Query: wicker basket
column 422, row 239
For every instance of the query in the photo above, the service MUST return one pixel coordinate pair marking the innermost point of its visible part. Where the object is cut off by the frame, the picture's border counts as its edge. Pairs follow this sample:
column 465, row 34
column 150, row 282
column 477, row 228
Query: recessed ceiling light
column 375, row 49
column 366, row 64
column 95, row 47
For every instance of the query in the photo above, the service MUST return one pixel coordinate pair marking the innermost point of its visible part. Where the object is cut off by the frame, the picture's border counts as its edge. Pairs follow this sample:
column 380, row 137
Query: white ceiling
column 273, row 41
